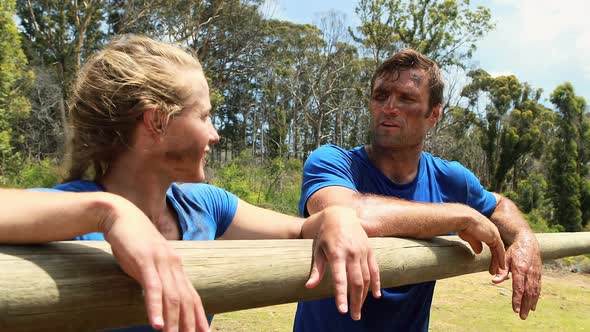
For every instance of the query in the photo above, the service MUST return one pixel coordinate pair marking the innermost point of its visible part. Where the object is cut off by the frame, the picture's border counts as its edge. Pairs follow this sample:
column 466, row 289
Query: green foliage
column 62, row 33
column 24, row 173
column 531, row 192
column 15, row 79
column 273, row 184
column 43, row 174
column 513, row 125
column 569, row 187
column 539, row 224
column 280, row 89
column 445, row 30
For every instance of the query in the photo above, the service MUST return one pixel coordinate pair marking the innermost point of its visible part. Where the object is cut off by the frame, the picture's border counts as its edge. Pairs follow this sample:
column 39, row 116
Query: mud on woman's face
column 189, row 135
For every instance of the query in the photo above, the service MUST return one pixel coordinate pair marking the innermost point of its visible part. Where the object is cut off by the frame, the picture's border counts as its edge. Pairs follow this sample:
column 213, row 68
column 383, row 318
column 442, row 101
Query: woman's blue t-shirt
column 204, row 213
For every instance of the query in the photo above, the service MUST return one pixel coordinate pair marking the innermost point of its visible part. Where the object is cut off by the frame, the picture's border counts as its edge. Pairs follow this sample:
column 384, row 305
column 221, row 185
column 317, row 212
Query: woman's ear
column 154, row 122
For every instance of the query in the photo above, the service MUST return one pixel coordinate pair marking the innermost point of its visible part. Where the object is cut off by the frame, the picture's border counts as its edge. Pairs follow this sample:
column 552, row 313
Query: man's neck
column 399, row 165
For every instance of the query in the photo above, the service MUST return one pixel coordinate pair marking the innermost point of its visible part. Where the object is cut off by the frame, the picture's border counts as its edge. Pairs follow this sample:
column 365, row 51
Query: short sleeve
column 220, row 204
column 327, row 166
column 477, row 196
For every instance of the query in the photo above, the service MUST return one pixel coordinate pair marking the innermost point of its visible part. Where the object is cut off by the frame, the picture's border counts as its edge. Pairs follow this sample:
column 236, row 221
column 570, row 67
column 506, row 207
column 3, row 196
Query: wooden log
column 78, row 286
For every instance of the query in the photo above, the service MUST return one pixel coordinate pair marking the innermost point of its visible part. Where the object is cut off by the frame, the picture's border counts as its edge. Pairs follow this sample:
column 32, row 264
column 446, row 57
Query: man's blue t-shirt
column 204, row 213
column 405, row 308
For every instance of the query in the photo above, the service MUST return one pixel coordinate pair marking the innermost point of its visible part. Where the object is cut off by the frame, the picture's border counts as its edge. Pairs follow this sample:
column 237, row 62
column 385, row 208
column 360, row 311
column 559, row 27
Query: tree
column 570, row 158
column 15, row 79
column 444, row 30
column 511, row 122
column 60, row 34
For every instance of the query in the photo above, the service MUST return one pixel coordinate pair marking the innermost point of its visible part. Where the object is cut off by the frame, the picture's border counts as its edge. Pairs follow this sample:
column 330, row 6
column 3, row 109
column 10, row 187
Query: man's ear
column 434, row 115
column 154, row 122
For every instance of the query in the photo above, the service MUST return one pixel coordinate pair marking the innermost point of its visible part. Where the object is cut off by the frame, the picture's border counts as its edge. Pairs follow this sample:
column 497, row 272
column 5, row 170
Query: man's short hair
column 406, row 59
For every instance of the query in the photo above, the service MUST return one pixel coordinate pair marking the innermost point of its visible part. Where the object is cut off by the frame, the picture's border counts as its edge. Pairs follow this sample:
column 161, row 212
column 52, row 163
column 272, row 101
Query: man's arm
column 386, row 216
column 523, row 257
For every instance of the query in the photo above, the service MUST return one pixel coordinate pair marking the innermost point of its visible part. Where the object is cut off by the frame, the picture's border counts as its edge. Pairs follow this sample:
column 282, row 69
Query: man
column 406, row 97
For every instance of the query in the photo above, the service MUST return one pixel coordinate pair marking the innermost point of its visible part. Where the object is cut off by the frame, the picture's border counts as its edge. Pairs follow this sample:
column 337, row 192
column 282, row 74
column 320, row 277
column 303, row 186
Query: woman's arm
column 36, row 217
column 143, row 253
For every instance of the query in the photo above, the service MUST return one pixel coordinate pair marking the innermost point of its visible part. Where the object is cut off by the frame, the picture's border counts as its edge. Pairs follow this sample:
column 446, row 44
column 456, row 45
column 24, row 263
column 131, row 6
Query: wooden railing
column 78, row 286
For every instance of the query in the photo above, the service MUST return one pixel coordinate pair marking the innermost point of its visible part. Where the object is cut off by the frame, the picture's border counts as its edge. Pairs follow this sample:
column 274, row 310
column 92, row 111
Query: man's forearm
column 509, row 220
column 385, row 216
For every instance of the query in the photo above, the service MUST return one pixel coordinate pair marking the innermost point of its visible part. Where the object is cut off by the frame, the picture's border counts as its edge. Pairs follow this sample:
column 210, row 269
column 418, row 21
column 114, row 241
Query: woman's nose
column 213, row 135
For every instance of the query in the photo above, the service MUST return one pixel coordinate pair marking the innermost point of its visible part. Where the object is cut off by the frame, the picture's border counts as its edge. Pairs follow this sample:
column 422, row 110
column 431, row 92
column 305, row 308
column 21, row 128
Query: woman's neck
column 135, row 180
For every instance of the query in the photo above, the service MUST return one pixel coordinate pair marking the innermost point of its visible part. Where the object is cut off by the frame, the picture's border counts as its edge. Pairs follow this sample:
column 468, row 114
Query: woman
column 140, row 117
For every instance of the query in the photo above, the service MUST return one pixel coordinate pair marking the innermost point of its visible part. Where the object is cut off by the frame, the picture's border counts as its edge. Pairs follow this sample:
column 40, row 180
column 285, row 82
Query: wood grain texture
column 78, row 286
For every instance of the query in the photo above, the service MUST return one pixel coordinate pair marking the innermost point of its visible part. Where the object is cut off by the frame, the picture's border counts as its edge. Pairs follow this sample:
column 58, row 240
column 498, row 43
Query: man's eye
column 407, row 98
column 380, row 97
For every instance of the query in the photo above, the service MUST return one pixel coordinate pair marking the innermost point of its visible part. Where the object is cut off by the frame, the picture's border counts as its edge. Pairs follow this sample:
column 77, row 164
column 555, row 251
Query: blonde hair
column 130, row 75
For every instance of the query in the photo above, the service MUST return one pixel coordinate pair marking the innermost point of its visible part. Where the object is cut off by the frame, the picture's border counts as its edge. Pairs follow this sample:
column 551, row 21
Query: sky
column 542, row 42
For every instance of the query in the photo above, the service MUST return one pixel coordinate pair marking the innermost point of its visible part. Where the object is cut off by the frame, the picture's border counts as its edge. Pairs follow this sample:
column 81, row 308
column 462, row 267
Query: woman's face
column 188, row 135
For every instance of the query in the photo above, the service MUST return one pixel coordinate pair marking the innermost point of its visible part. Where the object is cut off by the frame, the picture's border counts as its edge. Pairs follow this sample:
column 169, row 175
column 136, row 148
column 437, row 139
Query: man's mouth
column 389, row 123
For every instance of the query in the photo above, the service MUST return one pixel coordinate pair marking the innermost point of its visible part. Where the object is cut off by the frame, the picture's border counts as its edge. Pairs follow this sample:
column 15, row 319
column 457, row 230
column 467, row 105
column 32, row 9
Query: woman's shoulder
column 202, row 193
column 74, row 186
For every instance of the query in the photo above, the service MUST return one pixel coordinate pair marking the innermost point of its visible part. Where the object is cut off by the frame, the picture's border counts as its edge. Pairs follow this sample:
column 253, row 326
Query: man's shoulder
column 331, row 152
column 331, row 149
column 444, row 166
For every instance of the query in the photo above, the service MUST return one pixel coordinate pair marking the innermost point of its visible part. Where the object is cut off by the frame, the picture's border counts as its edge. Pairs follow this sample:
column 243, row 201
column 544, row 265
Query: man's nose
column 391, row 106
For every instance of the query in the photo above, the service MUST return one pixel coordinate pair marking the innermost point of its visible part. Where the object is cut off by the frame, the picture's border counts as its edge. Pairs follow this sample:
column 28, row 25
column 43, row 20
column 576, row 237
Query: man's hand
column 479, row 230
column 341, row 242
column 523, row 259
column 144, row 254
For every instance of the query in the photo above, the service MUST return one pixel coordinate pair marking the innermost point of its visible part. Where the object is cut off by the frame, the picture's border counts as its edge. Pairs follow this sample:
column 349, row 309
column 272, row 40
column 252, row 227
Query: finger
column 318, row 268
column 338, row 268
column 536, row 290
column 356, row 285
column 201, row 322
column 501, row 251
column 366, row 278
column 518, row 280
column 527, row 301
column 375, row 276
column 171, row 301
column 493, row 269
column 152, row 289
column 187, row 311
column 498, row 259
column 503, row 275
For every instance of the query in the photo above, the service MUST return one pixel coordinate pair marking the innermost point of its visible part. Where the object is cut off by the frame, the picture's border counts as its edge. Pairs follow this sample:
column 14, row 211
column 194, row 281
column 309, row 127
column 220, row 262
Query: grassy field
column 466, row 303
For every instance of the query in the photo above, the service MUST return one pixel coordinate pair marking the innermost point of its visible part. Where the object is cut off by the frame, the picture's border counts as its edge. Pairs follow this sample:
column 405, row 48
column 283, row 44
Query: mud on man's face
column 400, row 111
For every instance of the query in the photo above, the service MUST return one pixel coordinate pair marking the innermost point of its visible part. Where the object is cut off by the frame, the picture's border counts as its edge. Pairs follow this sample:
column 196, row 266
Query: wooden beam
column 78, row 286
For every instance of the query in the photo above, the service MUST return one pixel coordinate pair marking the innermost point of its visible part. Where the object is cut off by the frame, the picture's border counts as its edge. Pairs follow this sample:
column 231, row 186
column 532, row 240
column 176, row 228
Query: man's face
column 400, row 113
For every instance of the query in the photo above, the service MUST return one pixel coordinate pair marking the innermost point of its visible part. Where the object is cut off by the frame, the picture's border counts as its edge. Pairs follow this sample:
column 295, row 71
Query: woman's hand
column 341, row 242
column 144, row 254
